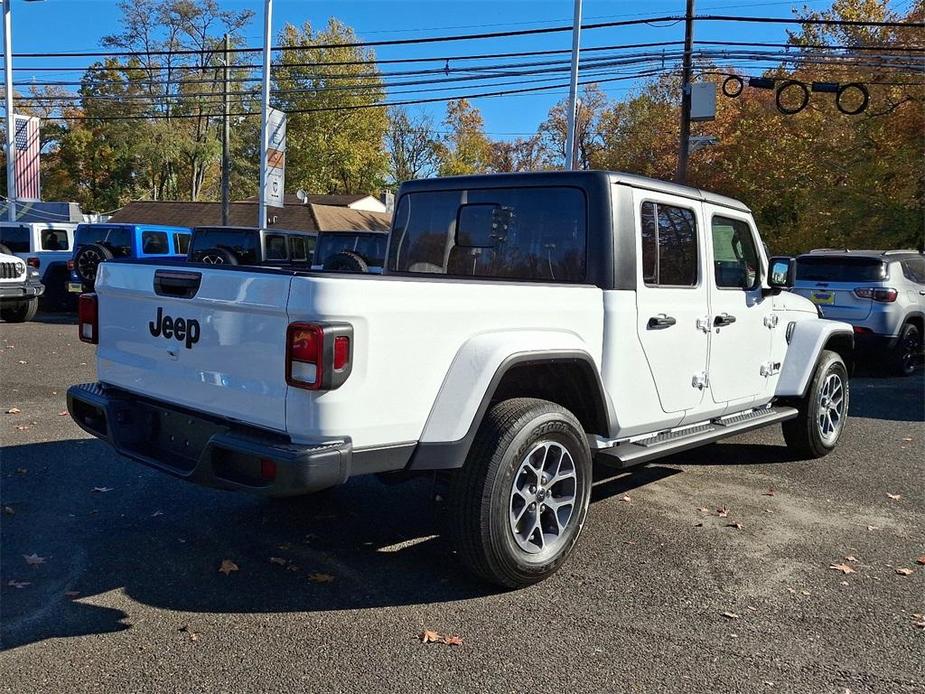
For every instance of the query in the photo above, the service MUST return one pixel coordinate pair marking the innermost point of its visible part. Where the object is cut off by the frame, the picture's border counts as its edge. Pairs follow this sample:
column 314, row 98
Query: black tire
column 346, row 261
column 87, row 260
column 5, row 250
column 218, row 256
column 907, row 352
column 20, row 311
column 481, row 493
column 803, row 434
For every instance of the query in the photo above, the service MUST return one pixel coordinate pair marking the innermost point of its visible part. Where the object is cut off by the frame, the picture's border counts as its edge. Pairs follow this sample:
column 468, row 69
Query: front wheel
column 519, row 503
column 822, row 412
column 20, row 311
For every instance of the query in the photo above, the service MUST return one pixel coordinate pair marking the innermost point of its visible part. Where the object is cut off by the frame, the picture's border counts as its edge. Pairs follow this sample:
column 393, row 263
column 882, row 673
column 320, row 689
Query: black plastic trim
column 177, row 284
column 624, row 238
column 448, row 455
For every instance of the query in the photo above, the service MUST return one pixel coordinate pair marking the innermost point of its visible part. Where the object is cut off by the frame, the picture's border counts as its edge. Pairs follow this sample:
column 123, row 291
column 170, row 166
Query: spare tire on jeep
column 87, row 260
column 346, row 261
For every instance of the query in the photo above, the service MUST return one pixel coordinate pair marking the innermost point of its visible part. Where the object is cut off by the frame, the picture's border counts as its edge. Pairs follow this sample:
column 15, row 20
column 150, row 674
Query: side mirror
column 781, row 272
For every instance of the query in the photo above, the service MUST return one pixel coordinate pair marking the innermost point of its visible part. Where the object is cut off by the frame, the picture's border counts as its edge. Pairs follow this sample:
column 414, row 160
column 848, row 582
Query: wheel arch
column 807, row 340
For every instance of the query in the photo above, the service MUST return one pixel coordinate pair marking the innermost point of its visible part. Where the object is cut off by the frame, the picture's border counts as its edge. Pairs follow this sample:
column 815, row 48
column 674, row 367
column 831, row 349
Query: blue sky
column 73, row 25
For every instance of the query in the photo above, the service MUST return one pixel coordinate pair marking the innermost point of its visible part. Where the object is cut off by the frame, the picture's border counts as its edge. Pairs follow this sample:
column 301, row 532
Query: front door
column 671, row 297
column 741, row 317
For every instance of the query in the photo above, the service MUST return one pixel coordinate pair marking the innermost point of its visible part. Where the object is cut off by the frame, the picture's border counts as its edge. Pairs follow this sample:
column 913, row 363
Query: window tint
column 181, row 243
column 735, row 256
column 54, row 240
column 914, row 269
column 669, row 245
column 820, row 268
column 276, row 247
column 532, row 234
column 118, row 239
column 16, row 239
column 297, row 248
column 154, row 242
column 370, row 246
column 244, row 243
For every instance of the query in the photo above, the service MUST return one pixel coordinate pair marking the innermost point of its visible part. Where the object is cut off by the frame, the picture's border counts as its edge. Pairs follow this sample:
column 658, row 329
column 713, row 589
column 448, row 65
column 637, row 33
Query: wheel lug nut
column 532, row 489
column 533, row 506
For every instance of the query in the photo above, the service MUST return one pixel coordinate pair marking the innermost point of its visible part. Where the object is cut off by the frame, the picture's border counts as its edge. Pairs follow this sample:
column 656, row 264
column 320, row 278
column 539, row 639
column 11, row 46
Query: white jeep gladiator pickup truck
column 525, row 325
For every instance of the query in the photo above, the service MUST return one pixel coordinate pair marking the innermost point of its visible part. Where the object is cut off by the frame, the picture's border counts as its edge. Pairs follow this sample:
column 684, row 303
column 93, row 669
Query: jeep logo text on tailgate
column 182, row 329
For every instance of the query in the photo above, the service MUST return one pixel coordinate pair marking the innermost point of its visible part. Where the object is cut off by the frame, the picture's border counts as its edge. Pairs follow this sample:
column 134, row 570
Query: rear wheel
column 907, row 351
column 19, row 311
column 519, row 503
column 822, row 412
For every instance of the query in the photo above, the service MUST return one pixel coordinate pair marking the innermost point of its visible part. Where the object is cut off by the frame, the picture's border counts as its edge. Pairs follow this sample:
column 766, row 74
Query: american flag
column 28, row 146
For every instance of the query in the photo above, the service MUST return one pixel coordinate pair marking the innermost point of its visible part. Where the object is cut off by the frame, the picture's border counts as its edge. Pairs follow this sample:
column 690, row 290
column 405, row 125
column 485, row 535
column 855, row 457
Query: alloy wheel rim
column 910, row 349
column 543, row 497
column 87, row 263
column 831, row 408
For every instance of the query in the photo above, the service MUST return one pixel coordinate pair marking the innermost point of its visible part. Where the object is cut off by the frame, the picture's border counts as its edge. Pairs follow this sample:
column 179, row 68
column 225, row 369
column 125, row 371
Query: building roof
column 66, row 212
column 333, row 200
column 298, row 217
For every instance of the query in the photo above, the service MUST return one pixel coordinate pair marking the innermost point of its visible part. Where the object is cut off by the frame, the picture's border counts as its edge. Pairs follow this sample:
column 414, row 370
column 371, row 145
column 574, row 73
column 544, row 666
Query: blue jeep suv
column 96, row 243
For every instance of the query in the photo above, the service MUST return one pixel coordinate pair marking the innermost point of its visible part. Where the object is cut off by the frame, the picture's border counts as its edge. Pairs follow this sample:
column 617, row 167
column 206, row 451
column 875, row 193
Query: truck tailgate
column 221, row 350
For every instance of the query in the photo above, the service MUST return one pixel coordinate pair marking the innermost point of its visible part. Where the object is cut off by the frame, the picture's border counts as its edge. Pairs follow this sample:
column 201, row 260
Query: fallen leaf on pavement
column 722, row 512
column 698, row 525
column 844, row 568
column 737, row 526
column 895, row 497
column 770, row 492
column 278, row 560
column 851, row 557
column 186, row 629
column 13, row 410
column 904, row 572
column 33, row 559
column 871, row 528
column 102, row 490
column 625, row 497
column 62, row 413
column 428, row 636
column 453, row 640
column 730, row 615
column 22, row 427
column 703, row 509
column 320, row 577
column 227, row 566
column 908, row 438
column 920, row 560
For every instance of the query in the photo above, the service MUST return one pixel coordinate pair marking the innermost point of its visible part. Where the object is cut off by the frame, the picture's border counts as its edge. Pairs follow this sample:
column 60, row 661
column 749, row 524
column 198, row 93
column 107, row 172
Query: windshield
column 117, row 238
column 512, row 233
column 244, row 243
column 370, row 246
column 839, row 269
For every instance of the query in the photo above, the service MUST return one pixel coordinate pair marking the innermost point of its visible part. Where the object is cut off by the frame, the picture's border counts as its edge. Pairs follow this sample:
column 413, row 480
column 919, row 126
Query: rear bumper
column 872, row 344
column 207, row 451
column 27, row 290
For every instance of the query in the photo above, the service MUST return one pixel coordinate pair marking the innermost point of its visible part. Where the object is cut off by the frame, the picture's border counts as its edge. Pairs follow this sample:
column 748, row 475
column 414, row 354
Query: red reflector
column 70, row 264
column 34, row 262
column 858, row 330
column 88, row 319
column 341, row 352
column 267, row 469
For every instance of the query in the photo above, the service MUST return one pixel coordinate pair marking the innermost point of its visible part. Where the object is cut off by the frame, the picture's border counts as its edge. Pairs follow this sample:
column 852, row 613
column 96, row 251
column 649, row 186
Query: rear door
column 829, row 282
column 671, row 296
column 207, row 339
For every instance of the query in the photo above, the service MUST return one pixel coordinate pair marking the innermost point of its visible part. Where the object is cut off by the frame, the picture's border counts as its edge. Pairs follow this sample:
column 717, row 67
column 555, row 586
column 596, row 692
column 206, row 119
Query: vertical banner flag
column 276, row 157
column 28, row 146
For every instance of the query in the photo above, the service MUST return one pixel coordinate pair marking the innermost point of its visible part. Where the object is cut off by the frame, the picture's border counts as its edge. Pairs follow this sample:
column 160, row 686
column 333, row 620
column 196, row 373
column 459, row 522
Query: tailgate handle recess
column 176, row 283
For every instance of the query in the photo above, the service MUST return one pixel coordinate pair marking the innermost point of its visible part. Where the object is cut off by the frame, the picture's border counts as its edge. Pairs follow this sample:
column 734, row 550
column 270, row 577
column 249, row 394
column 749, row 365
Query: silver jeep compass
column 881, row 293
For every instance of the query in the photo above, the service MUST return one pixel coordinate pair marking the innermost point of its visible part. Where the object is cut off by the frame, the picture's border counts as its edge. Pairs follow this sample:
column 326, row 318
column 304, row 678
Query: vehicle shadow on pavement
column 896, row 399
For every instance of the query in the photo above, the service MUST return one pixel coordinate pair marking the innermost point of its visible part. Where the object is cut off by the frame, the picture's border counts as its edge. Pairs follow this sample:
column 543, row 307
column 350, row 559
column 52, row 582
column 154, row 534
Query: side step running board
column 631, row 453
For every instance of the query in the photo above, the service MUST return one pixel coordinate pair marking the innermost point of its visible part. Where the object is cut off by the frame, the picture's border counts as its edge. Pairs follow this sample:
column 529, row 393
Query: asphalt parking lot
column 707, row 572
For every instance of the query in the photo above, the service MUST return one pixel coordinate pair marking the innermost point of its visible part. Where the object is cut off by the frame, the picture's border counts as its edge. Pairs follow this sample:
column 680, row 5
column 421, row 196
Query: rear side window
column 503, row 233
column 820, row 268
column 154, row 243
column 244, row 243
column 370, row 246
column 276, row 247
column 297, row 249
column 181, row 243
column 670, row 256
column 116, row 239
column 735, row 256
column 54, row 240
column 914, row 269
column 16, row 239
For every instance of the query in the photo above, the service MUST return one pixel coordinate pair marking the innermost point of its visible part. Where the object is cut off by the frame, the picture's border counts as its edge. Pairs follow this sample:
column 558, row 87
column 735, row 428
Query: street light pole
column 265, row 115
column 570, row 158
column 226, row 142
column 10, row 120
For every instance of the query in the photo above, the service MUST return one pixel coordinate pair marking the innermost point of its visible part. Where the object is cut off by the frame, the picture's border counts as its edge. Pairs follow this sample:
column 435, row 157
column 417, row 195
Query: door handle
column 723, row 319
column 660, row 322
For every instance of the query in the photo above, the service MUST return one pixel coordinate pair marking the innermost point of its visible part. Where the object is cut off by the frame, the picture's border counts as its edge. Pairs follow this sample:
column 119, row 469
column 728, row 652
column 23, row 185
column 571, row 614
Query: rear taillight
column 70, row 264
column 88, row 319
column 34, row 262
column 885, row 295
column 318, row 355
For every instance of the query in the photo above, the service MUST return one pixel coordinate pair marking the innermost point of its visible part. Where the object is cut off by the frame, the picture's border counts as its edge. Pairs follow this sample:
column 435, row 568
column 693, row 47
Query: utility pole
column 684, row 145
column 10, row 120
column 265, row 114
column 226, row 141
column 570, row 158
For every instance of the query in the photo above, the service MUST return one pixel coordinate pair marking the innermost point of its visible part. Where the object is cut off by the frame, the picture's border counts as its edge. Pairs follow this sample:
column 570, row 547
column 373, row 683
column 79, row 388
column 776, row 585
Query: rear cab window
column 54, row 240
column 154, row 243
column 820, row 268
column 370, row 246
column 117, row 239
column 537, row 234
column 17, row 239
